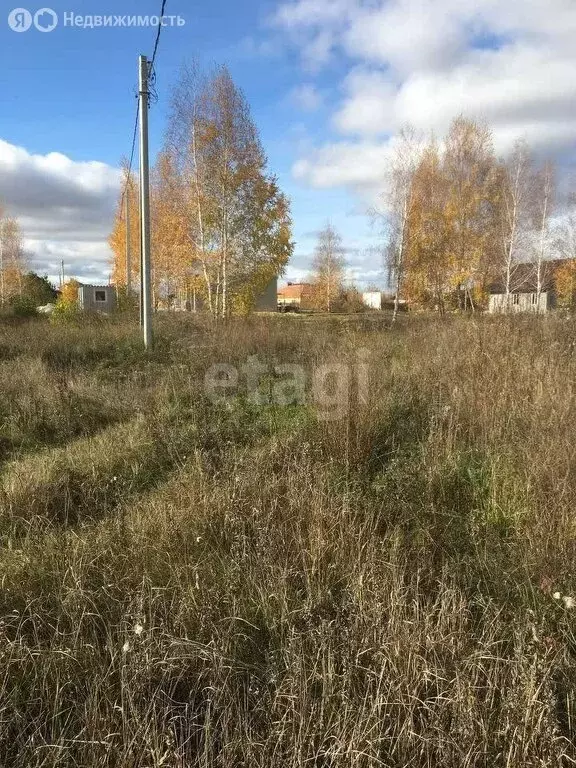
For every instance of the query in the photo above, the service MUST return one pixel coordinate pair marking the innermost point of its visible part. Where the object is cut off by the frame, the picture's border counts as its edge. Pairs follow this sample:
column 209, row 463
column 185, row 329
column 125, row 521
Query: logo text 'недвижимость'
column 46, row 20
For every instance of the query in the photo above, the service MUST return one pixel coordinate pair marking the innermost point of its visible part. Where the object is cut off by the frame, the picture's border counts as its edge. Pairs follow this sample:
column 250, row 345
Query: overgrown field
column 191, row 581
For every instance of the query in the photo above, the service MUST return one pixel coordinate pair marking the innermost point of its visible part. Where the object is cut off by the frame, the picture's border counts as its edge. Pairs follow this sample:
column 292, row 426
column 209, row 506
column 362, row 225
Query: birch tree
column 238, row 220
column 450, row 230
column 516, row 189
column 469, row 167
column 427, row 259
column 398, row 206
column 12, row 259
column 185, row 143
column 544, row 205
column 328, row 267
column 170, row 243
column 128, row 198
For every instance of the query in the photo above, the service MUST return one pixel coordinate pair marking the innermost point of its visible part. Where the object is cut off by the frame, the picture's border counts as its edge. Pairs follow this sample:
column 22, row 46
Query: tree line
column 458, row 219
column 21, row 291
column 221, row 227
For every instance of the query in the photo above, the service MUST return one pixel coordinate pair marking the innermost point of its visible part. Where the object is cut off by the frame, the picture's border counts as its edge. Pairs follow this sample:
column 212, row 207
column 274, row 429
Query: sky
column 330, row 83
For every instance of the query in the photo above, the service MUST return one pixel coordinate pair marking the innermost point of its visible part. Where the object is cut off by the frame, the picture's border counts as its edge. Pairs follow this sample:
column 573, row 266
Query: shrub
column 23, row 306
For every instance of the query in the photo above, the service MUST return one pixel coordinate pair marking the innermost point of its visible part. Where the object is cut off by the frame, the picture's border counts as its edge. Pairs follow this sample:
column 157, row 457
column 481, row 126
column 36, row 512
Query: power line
column 152, row 78
column 129, row 174
column 134, row 135
column 158, row 35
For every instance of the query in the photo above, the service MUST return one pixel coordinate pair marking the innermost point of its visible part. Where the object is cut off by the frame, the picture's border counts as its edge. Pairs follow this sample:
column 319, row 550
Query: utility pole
column 145, row 272
column 62, row 273
column 128, row 253
column 140, row 298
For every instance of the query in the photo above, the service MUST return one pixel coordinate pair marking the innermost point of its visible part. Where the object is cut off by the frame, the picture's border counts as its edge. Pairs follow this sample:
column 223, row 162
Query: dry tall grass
column 188, row 583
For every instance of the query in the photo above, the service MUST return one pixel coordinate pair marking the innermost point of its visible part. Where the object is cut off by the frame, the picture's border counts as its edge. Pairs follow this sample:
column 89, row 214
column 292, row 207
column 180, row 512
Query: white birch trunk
column 543, row 232
column 200, row 216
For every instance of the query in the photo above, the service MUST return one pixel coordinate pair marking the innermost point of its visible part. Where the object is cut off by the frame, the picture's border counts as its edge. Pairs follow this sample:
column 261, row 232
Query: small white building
column 520, row 301
column 372, row 299
column 381, row 300
column 97, row 298
column 523, row 294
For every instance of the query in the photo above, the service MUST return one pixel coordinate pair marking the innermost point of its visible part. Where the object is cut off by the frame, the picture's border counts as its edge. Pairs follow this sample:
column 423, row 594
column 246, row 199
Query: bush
column 64, row 312
column 66, row 309
column 127, row 302
column 349, row 301
column 23, row 306
column 39, row 290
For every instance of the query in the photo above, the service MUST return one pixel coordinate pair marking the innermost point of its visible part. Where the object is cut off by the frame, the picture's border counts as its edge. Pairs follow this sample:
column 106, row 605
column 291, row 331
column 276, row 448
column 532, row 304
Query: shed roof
column 97, row 287
column 294, row 290
column 524, row 278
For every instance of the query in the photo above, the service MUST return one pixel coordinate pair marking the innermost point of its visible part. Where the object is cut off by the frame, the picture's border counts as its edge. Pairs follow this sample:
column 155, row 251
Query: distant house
column 523, row 295
column 296, row 296
column 380, row 300
column 97, row 298
column 372, row 299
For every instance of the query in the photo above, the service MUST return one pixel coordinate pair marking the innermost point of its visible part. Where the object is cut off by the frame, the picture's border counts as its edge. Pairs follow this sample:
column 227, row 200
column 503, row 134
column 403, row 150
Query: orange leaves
column 565, row 279
column 452, row 225
column 172, row 248
column 218, row 218
column 12, row 261
column 69, row 293
column 117, row 239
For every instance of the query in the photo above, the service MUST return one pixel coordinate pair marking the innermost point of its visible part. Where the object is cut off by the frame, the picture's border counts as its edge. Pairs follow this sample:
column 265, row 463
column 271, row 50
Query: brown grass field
column 191, row 582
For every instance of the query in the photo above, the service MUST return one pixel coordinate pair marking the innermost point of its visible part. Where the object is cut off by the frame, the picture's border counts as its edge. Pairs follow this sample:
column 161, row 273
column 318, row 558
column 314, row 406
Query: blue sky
column 71, row 91
column 329, row 82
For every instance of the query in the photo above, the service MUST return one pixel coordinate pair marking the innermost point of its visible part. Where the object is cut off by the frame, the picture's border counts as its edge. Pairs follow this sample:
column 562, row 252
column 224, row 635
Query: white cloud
column 252, row 47
column 368, row 107
column 407, row 35
column 297, row 274
column 86, row 261
column 424, row 62
column 513, row 88
column 312, row 25
column 345, row 164
column 318, row 50
column 65, row 209
column 305, row 13
column 306, row 97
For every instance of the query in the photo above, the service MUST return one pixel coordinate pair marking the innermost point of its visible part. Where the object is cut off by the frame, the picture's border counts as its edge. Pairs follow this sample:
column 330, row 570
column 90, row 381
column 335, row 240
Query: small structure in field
column 524, row 295
column 520, row 301
column 372, row 299
column 380, row 300
column 295, row 297
column 97, row 298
